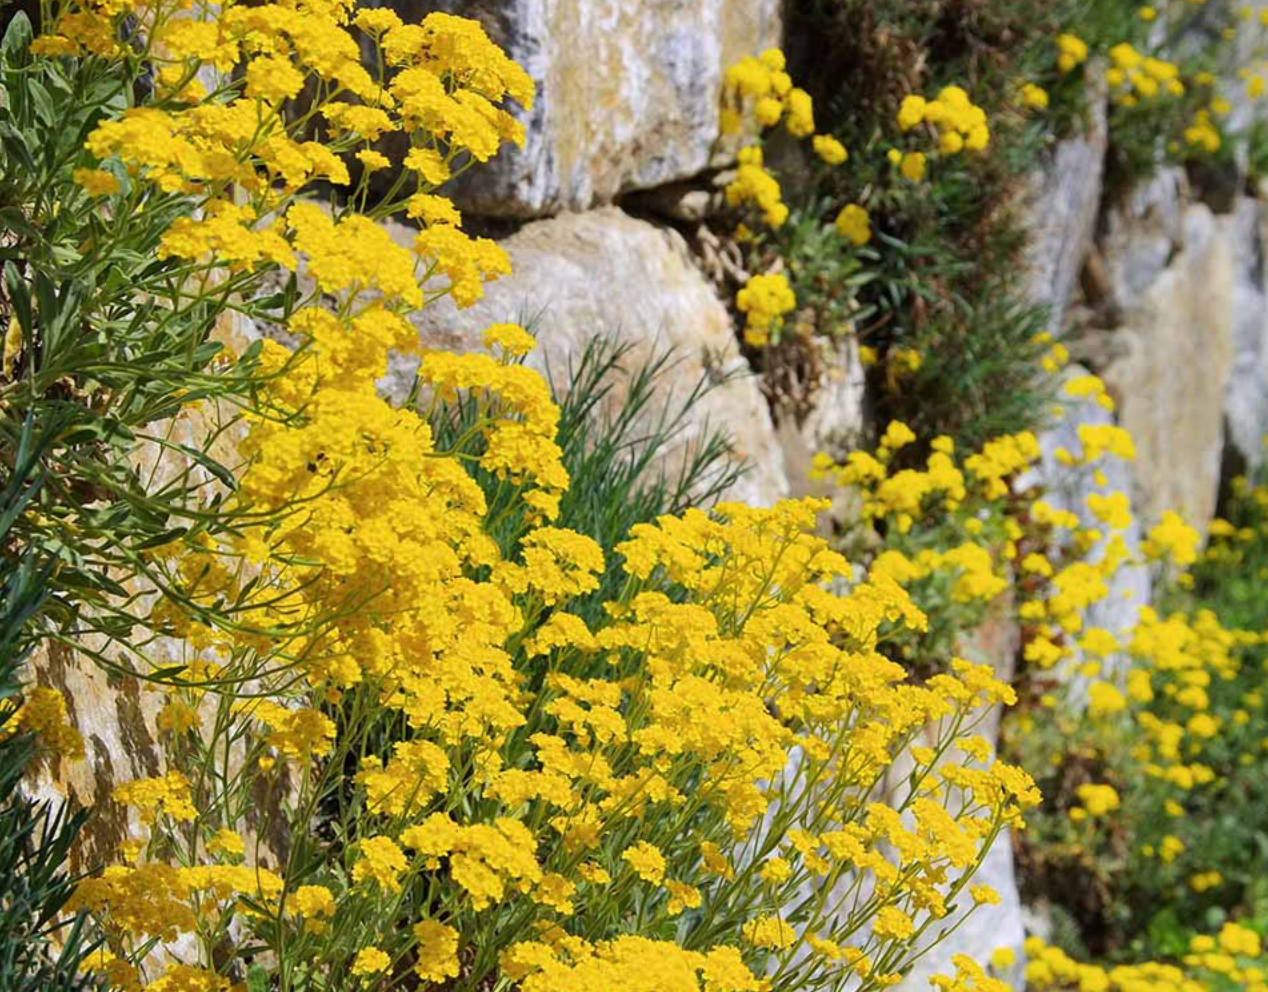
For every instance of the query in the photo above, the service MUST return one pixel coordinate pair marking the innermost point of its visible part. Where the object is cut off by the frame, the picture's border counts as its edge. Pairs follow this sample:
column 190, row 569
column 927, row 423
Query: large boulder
column 1172, row 379
column 627, row 93
column 578, row 276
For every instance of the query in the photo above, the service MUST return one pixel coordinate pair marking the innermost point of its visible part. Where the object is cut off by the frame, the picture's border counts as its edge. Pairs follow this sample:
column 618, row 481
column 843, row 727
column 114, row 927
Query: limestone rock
column 1246, row 402
column 627, row 93
column 578, row 276
column 1143, row 233
column 1061, row 206
column 1171, row 385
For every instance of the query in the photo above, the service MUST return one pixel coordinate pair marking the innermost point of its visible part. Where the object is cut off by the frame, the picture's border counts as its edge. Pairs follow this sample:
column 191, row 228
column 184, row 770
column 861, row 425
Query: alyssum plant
column 397, row 750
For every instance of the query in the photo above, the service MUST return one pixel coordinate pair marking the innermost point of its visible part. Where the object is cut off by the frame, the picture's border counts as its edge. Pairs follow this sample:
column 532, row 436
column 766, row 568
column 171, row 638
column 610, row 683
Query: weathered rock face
column 578, row 276
column 1246, row 403
column 1061, row 207
column 627, row 93
column 1142, row 235
column 1171, row 383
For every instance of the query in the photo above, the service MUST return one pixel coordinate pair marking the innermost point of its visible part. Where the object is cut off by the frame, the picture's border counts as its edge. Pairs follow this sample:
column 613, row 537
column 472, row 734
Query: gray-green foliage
column 103, row 349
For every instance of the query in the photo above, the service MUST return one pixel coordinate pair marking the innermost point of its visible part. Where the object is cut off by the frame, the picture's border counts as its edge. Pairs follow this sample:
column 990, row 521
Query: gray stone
column 1171, row 386
column 627, row 94
column 578, row 276
column 1246, row 402
column 1060, row 209
column 1143, row 232
column 682, row 201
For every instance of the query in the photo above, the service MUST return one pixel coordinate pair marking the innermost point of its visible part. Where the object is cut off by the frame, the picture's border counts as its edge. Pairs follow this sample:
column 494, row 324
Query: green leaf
column 17, row 39
column 19, row 299
column 257, row 979
column 158, row 540
column 42, row 103
column 14, row 145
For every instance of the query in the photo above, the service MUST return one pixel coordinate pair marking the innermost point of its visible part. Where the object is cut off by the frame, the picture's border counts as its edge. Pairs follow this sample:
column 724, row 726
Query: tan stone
column 1171, row 384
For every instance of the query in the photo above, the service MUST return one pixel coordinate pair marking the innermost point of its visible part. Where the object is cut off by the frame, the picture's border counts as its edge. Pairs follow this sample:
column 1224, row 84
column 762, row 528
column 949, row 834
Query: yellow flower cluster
column 1096, row 800
column 1134, row 76
column 486, row 742
column 43, row 713
column 1228, row 959
column 1071, row 51
column 763, row 83
column 1203, row 133
column 960, row 123
column 764, row 300
column 854, row 224
column 1033, row 96
column 753, row 184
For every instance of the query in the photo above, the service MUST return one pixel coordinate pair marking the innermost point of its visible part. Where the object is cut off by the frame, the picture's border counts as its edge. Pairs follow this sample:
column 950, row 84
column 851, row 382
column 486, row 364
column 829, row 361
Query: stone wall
column 627, row 94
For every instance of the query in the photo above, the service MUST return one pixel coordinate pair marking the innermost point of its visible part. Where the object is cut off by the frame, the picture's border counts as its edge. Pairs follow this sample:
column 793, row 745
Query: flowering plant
column 394, row 748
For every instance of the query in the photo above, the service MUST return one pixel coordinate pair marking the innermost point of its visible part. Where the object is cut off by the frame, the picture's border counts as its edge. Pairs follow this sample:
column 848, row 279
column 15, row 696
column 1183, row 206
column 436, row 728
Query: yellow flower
column 764, row 300
column 912, row 112
column 511, row 338
column 1034, row 97
column 647, row 861
column 96, row 182
column 43, row 713
column 437, row 951
column 854, row 224
column 228, row 842
column 154, row 797
column 370, row 961
column 913, row 166
column 1072, row 51
column 1098, row 800
column 769, row 932
column 381, row 861
column 829, row 149
column 1104, row 699
column 891, row 923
